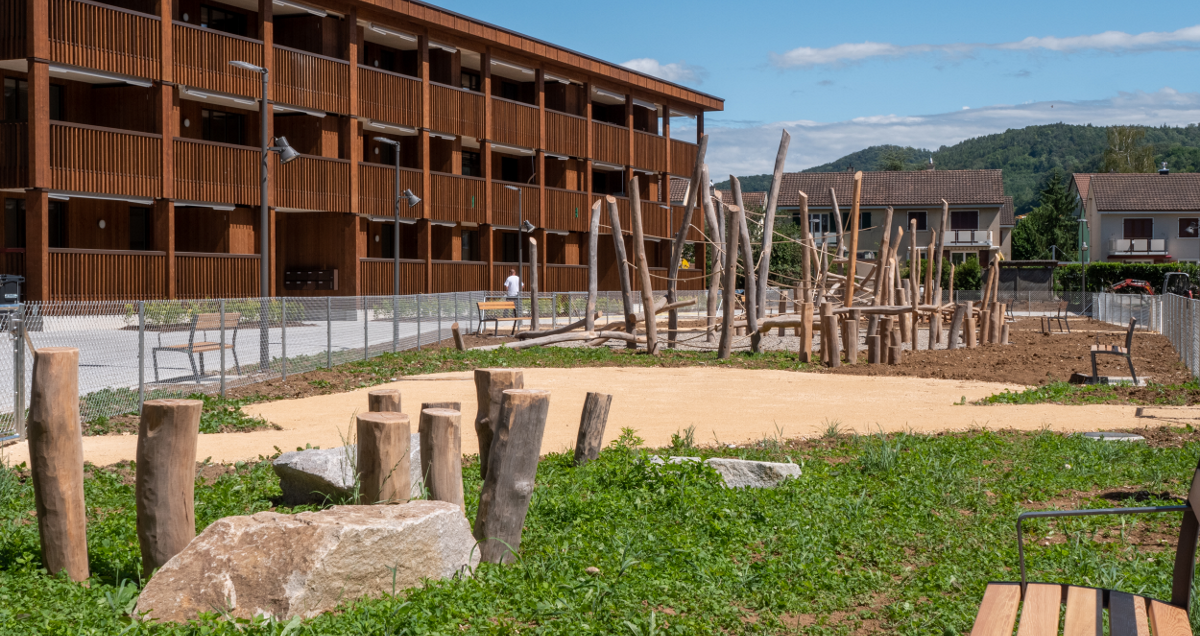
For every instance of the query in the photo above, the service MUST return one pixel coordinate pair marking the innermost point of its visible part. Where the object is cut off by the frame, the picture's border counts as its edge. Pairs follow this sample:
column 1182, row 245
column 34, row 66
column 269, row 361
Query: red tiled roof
column 678, row 189
column 1006, row 214
column 1082, row 179
column 925, row 187
column 751, row 199
column 1148, row 192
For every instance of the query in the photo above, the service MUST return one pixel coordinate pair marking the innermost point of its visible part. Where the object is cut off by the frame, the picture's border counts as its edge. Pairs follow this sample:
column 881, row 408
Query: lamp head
column 513, row 188
column 248, row 66
column 412, row 198
column 286, row 152
column 385, row 140
column 527, row 226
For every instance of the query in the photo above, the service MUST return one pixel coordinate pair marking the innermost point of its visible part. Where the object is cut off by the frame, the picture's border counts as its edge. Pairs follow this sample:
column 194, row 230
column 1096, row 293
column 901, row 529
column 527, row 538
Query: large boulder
column 319, row 475
column 741, row 473
column 308, row 563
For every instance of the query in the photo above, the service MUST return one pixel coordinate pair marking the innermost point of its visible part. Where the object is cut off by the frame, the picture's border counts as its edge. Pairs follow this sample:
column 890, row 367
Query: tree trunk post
column 643, row 268
column 458, row 338
column 730, row 284
column 490, row 385
column 806, row 251
column 535, row 319
column 969, row 325
column 593, row 276
column 591, row 427
column 614, row 220
column 383, row 401
column 764, row 263
column 851, row 269
column 956, row 325
column 716, row 238
column 751, row 286
column 851, row 339
column 165, row 479
column 806, row 331
column 830, row 351
column 441, row 454
column 689, row 206
column 383, row 458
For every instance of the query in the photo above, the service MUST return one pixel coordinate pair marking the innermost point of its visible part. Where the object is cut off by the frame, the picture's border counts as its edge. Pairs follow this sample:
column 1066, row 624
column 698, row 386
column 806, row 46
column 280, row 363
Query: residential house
column 1140, row 218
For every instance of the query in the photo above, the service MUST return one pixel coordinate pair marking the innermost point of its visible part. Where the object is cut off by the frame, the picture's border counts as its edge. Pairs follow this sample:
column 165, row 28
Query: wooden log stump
column 508, row 487
column 453, row 406
column 997, row 318
column 873, row 349
column 165, row 479
column 490, row 385
column 441, row 454
column 383, row 458
column 806, row 332
column 383, row 401
column 830, row 348
column 56, row 461
column 895, row 354
column 956, row 324
column 591, row 427
column 1004, row 334
column 969, row 326
column 850, row 336
column 458, row 339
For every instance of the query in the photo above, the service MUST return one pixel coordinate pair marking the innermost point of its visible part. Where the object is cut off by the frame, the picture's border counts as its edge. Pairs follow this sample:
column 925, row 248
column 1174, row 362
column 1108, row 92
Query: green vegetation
column 218, row 416
column 1101, row 276
column 1064, row 393
column 1053, row 223
column 894, row 534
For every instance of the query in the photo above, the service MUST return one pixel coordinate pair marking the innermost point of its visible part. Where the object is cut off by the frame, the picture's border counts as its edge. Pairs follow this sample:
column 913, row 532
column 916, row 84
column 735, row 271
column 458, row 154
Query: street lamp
column 521, row 228
column 286, row 154
column 412, row 201
column 1084, row 229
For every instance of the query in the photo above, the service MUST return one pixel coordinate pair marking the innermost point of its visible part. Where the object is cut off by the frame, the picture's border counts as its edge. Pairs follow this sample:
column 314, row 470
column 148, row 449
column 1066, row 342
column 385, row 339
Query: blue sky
column 840, row 76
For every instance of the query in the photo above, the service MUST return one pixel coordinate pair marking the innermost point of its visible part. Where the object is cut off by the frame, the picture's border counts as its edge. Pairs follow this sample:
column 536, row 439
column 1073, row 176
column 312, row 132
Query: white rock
column 741, row 473
column 309, row 563
column 655, row 459
column 318, row 475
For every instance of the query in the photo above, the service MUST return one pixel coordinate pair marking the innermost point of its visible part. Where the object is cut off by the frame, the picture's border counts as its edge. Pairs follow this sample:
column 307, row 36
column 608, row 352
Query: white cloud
column 751, row 150
column 677, row 72
column 1110, row 41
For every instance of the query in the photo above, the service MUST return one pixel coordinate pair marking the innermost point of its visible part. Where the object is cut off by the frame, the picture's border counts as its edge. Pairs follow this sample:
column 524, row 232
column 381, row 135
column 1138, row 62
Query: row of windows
column 16, row 100
column 822, row 223
column 1189, row 227
column 14, row 225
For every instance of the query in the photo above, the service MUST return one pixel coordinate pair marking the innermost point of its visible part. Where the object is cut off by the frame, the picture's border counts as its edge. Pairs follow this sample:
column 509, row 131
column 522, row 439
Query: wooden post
column 806, row 331
column 643, row 268
column 927, row 294
column 881, row 259
column 969, row 325
column 830, row 350
column 165, row 479
column 56, row 461
column 895, row 354
column 764, row 263
column 851, row 339
column 997, row 319
column 689, row 205
column 956, row 324
column 383, row 458
column 441, row 454
column 383, row 401
column 458, row 338
column 591, row 427
column 593, row 281
column 728, row 311
column 751, row 284
column 854, row 223
column 508, row 486
column 614, row 220
column 716, row 237
column 490, row 385
column 797, row 294
column 806, row 251
column 453, row 406
column 1004, row 334
column 783, row 309
column 534, row 312
column 873, row 349
column 935, row 325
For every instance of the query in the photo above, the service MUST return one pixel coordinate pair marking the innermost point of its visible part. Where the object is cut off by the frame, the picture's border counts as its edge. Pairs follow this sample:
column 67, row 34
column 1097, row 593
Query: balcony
column 567, row 210
column 200, row 59
column 456, row 110
column 216, row 172
column 457, row 198
column 452, row 276
column 90, row 275
column 389, row 97
column 308, row 80
column 505, row 202
column 105, row 160
column 200, row 275
column 610, row 143
column 377, row 187
column 14, row 155
column 515, row 123
column 375, row 276
column 313, row 183
column 696, row 230
column 14, row 25
column 959, row 238
column 103, row 37
column 683, row 158
column 13, row 261
column 1137, row 247
column 649, row 151
column 566, row 134
column 564, row 278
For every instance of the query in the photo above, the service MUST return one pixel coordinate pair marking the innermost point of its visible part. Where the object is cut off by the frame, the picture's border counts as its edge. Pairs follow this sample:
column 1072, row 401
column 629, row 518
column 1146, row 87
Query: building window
column 471, row 164
column 1139, row 228
column 57, row 224
column 510, row 169
column 221, row 126
column 964, row 220
column 139, row 228
column 468, row 246
column 509, row 90
column 1189, row 227
column 14, row 223
column 508, row 247
column 919, row 217
column 958, row 258
column 864, row 220
column 387, row 243
column 16, row 100
column 470, row 80
column 222, row 20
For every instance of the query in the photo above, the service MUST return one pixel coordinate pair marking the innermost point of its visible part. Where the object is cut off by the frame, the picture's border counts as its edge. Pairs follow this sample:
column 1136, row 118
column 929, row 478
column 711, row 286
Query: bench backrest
column 208, row 322
column 1129, row 335
column 494, row 305
column 1062, row 308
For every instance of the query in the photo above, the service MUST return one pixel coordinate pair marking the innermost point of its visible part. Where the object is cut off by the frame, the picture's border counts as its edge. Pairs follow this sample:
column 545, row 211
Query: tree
column 1127, row 150
column 893, row 160
column 1051, row 223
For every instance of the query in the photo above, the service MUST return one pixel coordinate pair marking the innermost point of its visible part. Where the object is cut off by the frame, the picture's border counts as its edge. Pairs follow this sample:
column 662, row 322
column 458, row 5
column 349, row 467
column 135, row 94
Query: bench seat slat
column 998, row 611
column 1168, row 620
column 1085, row 610
column 1039, row 615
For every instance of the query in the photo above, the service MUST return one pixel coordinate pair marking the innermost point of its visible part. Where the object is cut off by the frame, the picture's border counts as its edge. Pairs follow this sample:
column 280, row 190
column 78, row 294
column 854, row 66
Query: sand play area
column 733, row 406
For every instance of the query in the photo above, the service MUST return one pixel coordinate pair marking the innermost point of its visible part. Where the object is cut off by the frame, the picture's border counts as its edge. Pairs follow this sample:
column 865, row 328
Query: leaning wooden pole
column 806, row 251
column 730, row 283
column 716, row 238
column 751, row 285
column 837, row 223
column 165, row 479
column 764, row 259
column 614, row 220
column 441, row 454
column 941, row 249
column 851, row 271
column 914, row 286
column 56, row 461
column 693, row 197
column 593, row 268
column 643, row 268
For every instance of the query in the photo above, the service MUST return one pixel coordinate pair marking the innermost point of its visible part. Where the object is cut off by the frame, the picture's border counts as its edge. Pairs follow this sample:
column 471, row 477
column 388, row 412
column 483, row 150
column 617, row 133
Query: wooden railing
column 375, row 276
column 683, row 158
column 457, row 198
column 13, row 261
column 13, row 27
column 376, row 189
column 566, row 134
column 515, row 123
column 455, row 110
column 509, row 206
column 199, row 275
column 14, row 155
column 656, row 221
column 451, row 276
column 696, row 232
column 94, row 159
column 690, row 279
column 103, row 37
column 649, row 151
column 107, row 275
column 200, row 59
column 567, row 210
column 610, row 143
column 310, row 81
column 211, row 171
column 565, row 278
column 389, row 97
column 313, row 183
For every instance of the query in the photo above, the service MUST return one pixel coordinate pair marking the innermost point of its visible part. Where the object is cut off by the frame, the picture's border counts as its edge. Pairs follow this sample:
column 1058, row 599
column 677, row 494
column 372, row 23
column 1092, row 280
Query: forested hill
column 1026, row 155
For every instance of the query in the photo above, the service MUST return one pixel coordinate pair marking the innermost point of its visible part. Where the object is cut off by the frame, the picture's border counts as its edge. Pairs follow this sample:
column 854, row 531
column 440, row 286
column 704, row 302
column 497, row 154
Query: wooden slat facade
column 376, row 189
column 389, row 97
column 456, row 110
column 505, row 208
column 567, row 210
column 216, row 275
column 683, row 158
column 201, row 59
column 13, row 29
column 457, row 198
column 14, row 155
column 78, row 275
column 13, row 261
column 313, row 183
column 515, row 123
column 106, row 38
column 566, row 134
column 105, row 160
column 450, row 276
column 611, row 143
column 376, row 276
column 649, row 151
column 310, row 81
column 564, row 278
column 220, row 173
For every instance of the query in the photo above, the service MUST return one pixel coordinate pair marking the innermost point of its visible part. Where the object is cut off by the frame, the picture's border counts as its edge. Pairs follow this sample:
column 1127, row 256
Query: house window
column 387, row 241
column 919, row 217
column 864, row 220
column 958, row 258
column 1139, row 228
column 509, row 90
column 471, row 164
column 16, row 99
column 222, row 20
column 139, row 228
column 470, row 80
column 468, row 245
column 14, row 223
column 221, row 126
column 508, row 247
column 57, row 224
column 964, row 220
column 510, row 169
column 818, row 224
column 1189, row 227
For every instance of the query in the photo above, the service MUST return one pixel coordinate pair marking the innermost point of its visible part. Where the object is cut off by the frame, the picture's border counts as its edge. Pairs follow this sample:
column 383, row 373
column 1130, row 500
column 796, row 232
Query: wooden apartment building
column 129, row 148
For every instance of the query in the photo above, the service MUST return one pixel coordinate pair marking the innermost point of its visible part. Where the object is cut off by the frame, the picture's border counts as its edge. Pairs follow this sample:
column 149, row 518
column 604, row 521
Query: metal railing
column 1137, row 246
column 1180, row 323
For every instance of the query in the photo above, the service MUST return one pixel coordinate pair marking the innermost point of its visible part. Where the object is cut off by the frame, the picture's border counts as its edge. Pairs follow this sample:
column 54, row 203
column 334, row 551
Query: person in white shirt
column 512, row 290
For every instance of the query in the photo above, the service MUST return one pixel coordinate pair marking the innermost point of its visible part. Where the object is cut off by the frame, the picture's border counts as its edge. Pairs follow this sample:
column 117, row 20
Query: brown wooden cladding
column 696, row 232
column 94, row 159
column 389, row 97
column 14, row 155
column 655, row 220
column 106, row 38
column 376, row 189
column 107, row 275
column 216, row 275
column 505, row 208
column 313, row 183
column 457, row 198
column 457, row 111
column 13, row 261
column 683, row 158
column 452, row 276
column 610, row 144
column 690, row 279
column 375, row 276
column 13, row 28
column 566, row 134
column 220, row 173
column 567, row 210
column 515, row 123
column 622, row 212
column 565, row 278
column 649, row 151
column 200, row 59
column 310, row 81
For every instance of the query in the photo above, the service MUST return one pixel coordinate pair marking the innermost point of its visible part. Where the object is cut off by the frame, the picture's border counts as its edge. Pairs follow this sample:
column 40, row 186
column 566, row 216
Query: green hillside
column 1026, row 155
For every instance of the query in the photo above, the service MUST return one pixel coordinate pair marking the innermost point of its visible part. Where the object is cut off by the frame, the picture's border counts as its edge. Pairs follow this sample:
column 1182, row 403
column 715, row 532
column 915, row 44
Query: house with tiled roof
column 1008, row 221
column 1141, row 217
column 752, row 200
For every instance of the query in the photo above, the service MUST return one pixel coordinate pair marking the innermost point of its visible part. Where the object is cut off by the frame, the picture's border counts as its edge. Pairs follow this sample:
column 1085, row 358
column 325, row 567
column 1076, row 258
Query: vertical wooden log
column 56, row 461
column 927, row 294
column 490, row 385
column 969, row 326
column 782, row 309
column 1004, row 334
column 873, row 349
column 458, row 338
column 895, row 354
column 534, row 313
column 806, row 251
column 751, row 285
column 764, row 264
column 383, row 458
column 997, row 320
column 851, row 339
column 165, row 479
column 956, row 324
column 881, row 259
column 614, row 219
column 716, row 238
column 508, row 487
column 829, row 335
column 591, row 427
column 851, row 271
column 453, row 406
column 730, row 283
column 643, row 268
column 383, row 401
column 806, row 331
column 689, row 206
column 441, row 454
column 593, row 280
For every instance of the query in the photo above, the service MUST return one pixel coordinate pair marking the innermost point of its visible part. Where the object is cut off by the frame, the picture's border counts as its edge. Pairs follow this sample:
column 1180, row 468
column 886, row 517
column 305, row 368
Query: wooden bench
column 1116, row 350
column 202, row 323
column 497, row 307
column 1128, row 614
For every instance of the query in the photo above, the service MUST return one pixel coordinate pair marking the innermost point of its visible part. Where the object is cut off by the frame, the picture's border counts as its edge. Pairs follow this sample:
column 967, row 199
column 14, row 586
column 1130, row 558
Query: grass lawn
column 1065, row 393
column 895, row 534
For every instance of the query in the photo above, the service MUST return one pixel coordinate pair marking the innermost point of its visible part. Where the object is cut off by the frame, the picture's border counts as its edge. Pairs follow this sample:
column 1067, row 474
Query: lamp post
column 1085, row 230
column 412, row 201
column 286, row 154
column 520, row 230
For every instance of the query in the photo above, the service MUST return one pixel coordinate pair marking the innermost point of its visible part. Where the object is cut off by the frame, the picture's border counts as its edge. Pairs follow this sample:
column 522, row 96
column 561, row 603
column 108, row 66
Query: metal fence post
column 418, row 322
column 366, row 331
column 18, row 328
column 283, row 335
column 439, row 331
column 328, row 332
column 395, row 323
column 222, row 348
column 141, row 354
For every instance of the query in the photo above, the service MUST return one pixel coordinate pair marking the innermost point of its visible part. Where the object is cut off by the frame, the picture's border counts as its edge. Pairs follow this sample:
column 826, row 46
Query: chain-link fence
column 134, row 351
column 1118, row 309
column 1180, row 323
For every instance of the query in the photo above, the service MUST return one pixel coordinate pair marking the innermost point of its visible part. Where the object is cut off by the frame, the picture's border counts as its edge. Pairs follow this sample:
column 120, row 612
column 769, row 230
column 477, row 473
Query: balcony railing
column 457, row 198
column 610, row 143
column 456, row 110
column 566, row 134
column 696, row 231
column 105, row 38
column 1138, row 246
column 13, row 28
column 450, row 276
column 375, row 276
column 13, row 261
column 504, row 204
column 105, row 160
column 216, row 172
column 200, row 59
column 200, row 275
column 565, row 278
column 649, row 151
column 309, row 80
column 77, row 275
column 313, row 183
column 683, row 158
column 622, row 213
column 515, row 123
column 389, row 97
column 377, row 186
column 969, row 237
column 567, row 210
column 656, row 221
column 14, row 155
